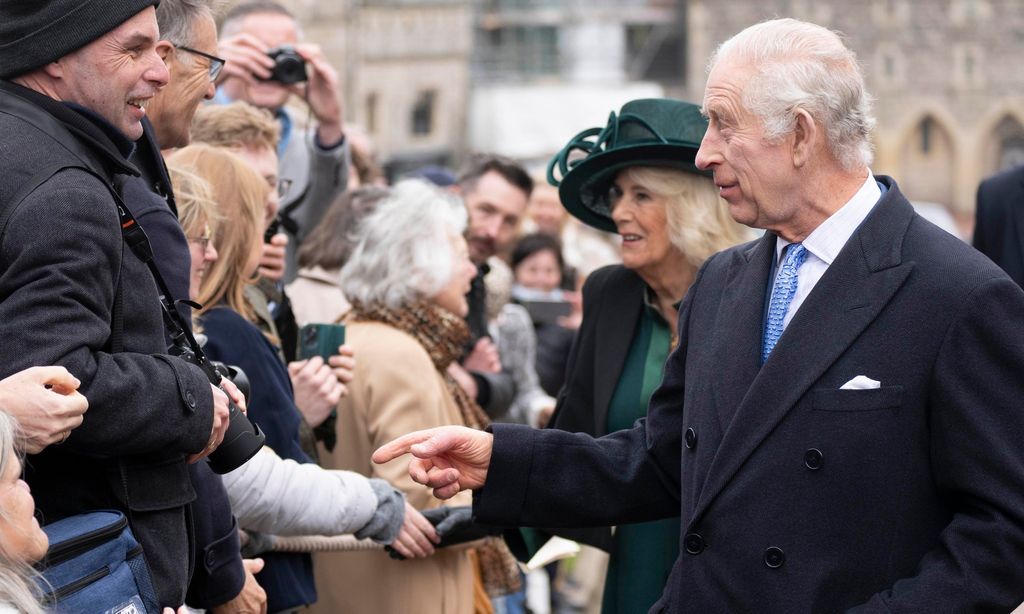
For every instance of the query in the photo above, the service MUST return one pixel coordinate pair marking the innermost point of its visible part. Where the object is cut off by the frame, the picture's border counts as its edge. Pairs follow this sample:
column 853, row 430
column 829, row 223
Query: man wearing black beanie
column 75, row 78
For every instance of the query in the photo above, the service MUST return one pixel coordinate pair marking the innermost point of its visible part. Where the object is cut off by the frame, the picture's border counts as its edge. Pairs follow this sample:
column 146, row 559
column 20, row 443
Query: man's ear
column 54, row 70
column 164, row 49
column 805, row 136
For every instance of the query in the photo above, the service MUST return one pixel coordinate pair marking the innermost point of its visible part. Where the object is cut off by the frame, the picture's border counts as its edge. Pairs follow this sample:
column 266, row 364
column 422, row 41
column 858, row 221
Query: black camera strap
column 136, row 239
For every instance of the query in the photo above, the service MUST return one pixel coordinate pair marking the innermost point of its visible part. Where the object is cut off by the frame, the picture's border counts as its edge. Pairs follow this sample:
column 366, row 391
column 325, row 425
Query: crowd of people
column 708, row 341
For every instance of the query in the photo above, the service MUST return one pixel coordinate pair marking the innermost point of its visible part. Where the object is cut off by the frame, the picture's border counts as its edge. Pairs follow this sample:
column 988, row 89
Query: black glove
column 455, row 525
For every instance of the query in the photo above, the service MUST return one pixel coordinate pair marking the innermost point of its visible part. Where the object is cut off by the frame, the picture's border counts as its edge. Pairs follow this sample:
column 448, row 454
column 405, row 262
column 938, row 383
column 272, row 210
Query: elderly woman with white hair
column 22, row 542
column 407, row 281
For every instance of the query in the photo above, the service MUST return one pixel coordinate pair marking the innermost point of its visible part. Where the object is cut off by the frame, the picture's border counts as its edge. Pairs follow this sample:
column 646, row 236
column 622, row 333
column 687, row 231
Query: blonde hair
column 238, row 124
column 240, row 195
column 193, row 196
column 18, row 585
column 699, row 223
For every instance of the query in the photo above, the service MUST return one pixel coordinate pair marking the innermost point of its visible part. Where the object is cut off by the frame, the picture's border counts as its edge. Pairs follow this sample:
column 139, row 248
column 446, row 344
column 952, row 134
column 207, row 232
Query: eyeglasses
column 216, row 64
column 283, row 185
column 203, row 240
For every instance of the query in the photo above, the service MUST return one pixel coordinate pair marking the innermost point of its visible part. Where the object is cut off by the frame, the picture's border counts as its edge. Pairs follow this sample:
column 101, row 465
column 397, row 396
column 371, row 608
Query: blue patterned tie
column 782, row 295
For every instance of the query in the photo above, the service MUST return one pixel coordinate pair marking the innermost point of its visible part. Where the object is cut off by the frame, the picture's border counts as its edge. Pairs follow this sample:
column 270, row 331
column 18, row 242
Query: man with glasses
column 188, row 39
column 221, row 581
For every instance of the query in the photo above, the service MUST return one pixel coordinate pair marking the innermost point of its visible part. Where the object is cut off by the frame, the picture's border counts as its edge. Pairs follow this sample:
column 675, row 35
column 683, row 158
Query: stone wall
column 945, row 75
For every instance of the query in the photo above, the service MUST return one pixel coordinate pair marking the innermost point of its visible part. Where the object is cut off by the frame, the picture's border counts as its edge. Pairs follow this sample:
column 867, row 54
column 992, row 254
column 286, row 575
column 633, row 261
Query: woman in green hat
column 636, row 177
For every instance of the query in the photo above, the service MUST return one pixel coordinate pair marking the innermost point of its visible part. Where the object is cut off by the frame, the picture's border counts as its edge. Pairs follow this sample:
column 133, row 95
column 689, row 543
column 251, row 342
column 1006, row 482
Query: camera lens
column 289, row 67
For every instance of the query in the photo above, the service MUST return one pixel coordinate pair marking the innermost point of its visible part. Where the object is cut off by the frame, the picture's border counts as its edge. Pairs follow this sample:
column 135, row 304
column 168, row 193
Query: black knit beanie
column 34, row 33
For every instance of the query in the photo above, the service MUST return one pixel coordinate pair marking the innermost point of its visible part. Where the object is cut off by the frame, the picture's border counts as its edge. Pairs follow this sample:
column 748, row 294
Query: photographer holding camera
column 266, row 65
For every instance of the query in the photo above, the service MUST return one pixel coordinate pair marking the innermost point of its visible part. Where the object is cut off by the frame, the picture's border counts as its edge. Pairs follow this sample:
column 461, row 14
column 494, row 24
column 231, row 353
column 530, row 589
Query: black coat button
column 211, row 559
column 690, row 438
column 813, row 459
column 190, row 399
column 774, row 557
column 694, row 543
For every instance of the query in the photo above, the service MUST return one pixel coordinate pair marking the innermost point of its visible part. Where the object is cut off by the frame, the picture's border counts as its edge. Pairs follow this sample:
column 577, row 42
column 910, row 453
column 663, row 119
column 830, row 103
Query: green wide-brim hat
column 647, row 132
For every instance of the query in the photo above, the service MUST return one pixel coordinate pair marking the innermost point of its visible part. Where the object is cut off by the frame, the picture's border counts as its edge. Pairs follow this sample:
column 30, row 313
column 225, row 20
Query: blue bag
column 94, row 564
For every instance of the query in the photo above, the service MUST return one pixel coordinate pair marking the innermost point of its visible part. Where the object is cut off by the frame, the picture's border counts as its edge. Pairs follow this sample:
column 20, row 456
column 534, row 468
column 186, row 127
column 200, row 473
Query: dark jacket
column 287, row 577
column 613, row 298
column 999, row 225
column 63, row 266
column 554, row 342
column 151, row 198
column 218, row 576
column 797, row 495
column 495, row 391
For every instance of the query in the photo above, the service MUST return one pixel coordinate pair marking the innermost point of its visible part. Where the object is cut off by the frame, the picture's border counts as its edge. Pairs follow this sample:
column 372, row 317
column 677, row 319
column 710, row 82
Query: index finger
column 403, row 445
column 233, row 392
column 245, row 39
column 309, row 51
column 56, row 377
column 313, row 365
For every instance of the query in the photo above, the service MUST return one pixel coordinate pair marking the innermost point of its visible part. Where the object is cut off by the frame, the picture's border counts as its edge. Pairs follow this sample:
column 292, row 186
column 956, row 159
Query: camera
column 243, row 438
column 281, row 220
column 289, row 67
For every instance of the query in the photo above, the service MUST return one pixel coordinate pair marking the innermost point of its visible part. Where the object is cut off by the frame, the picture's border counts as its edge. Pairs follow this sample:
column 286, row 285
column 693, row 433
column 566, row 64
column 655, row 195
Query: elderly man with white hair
column 839, row 427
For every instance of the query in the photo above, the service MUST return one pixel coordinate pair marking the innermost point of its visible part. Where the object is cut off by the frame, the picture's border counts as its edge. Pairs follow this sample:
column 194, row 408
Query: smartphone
column 547, row 312
column 320, row 340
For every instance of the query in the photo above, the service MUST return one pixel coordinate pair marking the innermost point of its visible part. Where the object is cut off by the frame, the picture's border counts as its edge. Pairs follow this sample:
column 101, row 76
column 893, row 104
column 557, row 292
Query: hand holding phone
column 320, row 340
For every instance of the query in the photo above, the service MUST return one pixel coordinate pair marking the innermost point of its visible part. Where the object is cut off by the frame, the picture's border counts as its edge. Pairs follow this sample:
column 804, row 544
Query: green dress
column 644, row 553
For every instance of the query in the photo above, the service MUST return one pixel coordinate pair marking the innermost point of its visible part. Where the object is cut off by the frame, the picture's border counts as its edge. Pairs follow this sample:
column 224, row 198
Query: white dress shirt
column 826, row 241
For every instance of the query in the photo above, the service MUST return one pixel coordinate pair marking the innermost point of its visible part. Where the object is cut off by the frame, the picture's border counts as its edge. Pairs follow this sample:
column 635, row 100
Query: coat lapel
column 857, row 286
column 740, row 327
column 615, row 331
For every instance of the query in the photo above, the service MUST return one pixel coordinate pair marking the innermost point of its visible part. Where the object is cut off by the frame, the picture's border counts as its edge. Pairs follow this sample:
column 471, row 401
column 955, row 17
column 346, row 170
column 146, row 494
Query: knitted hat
column 34, row 33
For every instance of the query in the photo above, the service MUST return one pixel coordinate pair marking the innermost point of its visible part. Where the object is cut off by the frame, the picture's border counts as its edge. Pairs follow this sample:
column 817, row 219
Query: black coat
column 218, row 575
column 613, row 298
column 62, row 262
column 999, row 226
column 799, row 496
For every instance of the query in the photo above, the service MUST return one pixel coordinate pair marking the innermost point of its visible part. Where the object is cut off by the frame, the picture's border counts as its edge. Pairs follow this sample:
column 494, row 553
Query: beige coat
column 396, row 390
column 316, row 296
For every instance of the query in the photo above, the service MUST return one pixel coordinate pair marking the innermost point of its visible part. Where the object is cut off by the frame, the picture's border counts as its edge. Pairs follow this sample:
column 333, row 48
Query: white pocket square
column 861, row 382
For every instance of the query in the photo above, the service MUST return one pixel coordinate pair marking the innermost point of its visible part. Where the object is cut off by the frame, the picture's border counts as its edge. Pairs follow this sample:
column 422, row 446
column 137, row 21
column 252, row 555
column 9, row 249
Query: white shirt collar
column 830, row 236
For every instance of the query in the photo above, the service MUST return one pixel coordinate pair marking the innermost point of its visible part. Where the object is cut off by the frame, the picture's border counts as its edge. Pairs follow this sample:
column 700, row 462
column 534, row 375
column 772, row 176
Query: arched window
column 1009, row 134
column 928, row 163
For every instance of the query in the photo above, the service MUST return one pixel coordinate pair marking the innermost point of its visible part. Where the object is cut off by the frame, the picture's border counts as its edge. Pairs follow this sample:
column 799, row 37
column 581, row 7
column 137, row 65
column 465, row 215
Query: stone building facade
column 404, row 72
column 945, row 74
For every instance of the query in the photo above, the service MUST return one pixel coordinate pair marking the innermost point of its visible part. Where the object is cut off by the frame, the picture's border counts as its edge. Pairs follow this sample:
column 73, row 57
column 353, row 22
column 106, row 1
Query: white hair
column 800, row 65
column 18, row 580
column 404, row 252
column 177, row 19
